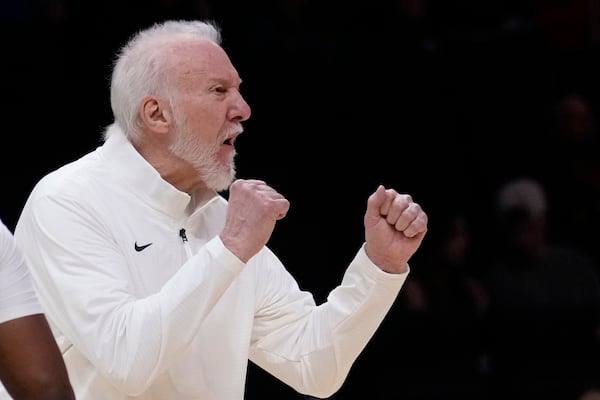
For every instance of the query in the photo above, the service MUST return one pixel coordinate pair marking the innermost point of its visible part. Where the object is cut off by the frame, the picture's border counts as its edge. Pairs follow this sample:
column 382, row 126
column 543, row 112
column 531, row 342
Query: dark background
column 445, row 100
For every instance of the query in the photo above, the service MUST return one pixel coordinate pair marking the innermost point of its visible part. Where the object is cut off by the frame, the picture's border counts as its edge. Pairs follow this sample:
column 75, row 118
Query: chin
column 222, row 181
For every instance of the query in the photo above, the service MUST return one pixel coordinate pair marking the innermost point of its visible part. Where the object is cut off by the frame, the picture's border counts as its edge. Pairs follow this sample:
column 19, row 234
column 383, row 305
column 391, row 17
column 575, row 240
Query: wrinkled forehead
column 201, row 59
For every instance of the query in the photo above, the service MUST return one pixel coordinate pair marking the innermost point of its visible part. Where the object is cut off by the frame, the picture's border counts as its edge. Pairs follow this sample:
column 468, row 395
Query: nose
column 241, row 110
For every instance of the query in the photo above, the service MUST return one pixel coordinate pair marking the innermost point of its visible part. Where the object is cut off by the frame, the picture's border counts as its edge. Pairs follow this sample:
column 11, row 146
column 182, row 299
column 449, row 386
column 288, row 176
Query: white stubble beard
column 203, row 157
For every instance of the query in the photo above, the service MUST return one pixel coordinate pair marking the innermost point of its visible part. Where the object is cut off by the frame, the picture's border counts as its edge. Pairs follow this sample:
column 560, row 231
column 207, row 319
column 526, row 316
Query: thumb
column 374, row 205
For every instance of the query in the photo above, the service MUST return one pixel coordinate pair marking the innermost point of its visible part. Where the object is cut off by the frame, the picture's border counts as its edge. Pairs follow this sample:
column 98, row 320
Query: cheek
column 204, row 120
column 205, row 125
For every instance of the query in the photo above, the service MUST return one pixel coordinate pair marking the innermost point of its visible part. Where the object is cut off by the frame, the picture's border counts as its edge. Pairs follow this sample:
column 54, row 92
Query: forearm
column 31, row 365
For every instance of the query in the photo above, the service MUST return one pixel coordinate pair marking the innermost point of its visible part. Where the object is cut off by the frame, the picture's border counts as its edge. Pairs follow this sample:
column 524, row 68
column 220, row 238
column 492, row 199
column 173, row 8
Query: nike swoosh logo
column 140, row 248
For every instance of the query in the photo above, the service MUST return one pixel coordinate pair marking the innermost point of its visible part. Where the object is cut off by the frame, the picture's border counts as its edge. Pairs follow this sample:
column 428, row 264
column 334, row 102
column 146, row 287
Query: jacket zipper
column 186, row 244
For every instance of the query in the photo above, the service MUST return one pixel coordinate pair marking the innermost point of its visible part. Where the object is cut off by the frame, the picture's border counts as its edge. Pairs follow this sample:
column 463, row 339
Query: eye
column 220, row 89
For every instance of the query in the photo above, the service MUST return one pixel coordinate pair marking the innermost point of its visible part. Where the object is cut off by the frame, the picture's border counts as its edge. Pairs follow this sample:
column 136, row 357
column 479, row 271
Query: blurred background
column 485, row 111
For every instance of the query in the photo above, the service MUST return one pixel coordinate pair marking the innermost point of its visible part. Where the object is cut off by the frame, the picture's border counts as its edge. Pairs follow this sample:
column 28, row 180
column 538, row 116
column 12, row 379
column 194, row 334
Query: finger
column 404, row 213
column 283, row 206
column 375, row 203
column 388, row 203
column 398, row 205
column 265, row 189
column 417, row 226
column 257, row 182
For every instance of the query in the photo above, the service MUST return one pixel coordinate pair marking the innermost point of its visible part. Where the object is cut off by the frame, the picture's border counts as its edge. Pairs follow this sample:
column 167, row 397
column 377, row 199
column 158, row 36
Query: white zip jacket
column 147, row 303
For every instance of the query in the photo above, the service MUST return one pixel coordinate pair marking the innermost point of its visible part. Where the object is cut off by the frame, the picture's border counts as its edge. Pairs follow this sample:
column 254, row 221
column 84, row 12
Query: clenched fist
column 394, row 228
column 254, row 208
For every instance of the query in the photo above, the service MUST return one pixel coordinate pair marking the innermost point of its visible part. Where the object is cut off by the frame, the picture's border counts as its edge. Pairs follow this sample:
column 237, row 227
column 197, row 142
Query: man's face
column 208, row 110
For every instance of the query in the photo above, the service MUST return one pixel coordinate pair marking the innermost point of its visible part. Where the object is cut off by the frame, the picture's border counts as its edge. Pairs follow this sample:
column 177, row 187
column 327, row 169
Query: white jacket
column 140, row 313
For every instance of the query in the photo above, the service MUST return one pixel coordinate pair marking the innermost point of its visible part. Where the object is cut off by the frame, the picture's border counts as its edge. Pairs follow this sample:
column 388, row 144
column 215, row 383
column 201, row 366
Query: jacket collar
column 141, row 177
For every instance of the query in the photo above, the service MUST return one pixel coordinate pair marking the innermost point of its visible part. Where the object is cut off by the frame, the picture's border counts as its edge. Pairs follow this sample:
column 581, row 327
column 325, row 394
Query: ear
column 156, row 114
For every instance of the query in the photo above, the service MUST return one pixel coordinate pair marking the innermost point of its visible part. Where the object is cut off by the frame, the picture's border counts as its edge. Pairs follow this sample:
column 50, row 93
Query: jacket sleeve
column 17, row 296
column 310, row 347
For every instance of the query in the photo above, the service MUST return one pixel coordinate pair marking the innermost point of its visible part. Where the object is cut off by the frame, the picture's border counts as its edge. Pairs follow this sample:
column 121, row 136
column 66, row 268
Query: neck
column 174, row 170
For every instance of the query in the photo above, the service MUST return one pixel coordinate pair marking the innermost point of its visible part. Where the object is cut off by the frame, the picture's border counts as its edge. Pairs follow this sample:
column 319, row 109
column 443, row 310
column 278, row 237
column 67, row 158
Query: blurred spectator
column 574, row 168
column 544, row 303
column 590, row 394
column 565, row 23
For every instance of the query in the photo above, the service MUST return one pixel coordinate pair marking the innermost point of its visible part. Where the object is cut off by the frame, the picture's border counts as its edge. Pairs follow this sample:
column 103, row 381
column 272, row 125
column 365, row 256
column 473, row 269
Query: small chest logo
column 142, row 247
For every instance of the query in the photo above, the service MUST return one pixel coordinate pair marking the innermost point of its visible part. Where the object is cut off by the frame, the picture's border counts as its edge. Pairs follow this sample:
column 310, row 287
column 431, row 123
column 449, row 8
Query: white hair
column 140, row 67
column 525, row 194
